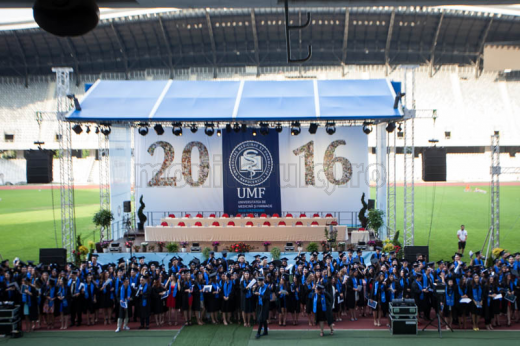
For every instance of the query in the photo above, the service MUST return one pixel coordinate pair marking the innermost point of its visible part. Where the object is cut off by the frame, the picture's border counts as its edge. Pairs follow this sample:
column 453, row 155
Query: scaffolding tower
column 391, row 196
column 68, row 229
column 104, row 177
column 495, row 190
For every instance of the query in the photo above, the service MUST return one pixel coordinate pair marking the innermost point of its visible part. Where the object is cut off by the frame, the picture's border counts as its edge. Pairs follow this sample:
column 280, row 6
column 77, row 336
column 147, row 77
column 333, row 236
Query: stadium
column 378, row 130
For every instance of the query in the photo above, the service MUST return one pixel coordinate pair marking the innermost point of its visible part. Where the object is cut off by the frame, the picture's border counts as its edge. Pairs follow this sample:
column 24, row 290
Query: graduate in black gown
column 246, row 299
column 322, row 308
column 143, row 295
column 263, row 294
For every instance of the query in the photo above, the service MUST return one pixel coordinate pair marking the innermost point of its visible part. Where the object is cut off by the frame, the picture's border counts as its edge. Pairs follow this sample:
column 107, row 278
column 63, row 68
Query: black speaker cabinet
column 403, row 326
column 371, row 204
column 410, row 253
column 39, row 166
column 434, row 164
column 49, row 256
column 127, row 206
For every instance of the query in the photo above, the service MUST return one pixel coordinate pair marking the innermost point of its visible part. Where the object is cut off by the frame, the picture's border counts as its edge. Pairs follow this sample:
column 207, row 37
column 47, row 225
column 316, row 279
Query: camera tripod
column 440, row 319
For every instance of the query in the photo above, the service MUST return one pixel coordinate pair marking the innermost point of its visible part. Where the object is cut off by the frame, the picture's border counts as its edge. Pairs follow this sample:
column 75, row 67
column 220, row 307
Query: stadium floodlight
column 177, row 129
column 143, row 129
column 210, row 129
column 398, row 98
column 390, row 127
column 279, row 128
column 236, row 127
column 447, row 134
column 193, row 128
column 158, row 129
column 264, row 129
column 77, row 128
column 313, row 128
column 366, row 128
column 295, row 128
column 229, row 128
column 330, row 128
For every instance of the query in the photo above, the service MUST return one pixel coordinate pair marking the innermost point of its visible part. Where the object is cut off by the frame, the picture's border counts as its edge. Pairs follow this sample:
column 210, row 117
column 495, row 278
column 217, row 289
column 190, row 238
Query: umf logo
column 251, row 163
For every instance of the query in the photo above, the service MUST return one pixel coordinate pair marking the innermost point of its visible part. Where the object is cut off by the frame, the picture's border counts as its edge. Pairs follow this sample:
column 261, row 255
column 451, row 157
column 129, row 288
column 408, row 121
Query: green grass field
column 27, row 223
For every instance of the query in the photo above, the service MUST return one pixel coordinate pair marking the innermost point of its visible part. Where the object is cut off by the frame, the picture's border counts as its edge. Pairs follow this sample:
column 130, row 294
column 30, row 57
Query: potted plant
column 184, row 244
column 275, row 253
column 266, row 245
column 104, row 245
column 161, row 245
column 172, row 247
column 299, row 244
column 205, row 252
column 129, row 245
column 103, row 218
column 151, row 248
column 375, row 220
column 144, row 246
column 140, row 215
column 361, row 216
column 137, row 248
column 312, row 247
column 371, row 244
column 341, row 246
column 215, row 245
column 91, row 246
column 323, row 245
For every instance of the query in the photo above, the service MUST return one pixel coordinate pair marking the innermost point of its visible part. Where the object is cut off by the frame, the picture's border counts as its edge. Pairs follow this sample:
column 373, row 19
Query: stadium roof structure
column 256, row 37
column 242, row 101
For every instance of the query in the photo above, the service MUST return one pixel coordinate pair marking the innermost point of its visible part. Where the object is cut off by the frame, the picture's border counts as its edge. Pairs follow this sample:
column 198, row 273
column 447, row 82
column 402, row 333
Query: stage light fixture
column 447, row 134
column 330, row 128
column 313, row 128
column 244, row 128
column 366, row 128
column 236, row 127
column 77, row 128
column 295, row 128
column 254, row 133
column 398, row 98
column 177, row 129
column 143, row 129
column 159, row 129
column 193, row 128
column 219, row 133
column 97, row 130
column 210, row 129
column 229, row 128
column 279, row 128
column 264, row 129
column 106, row 130
column 88, row 129
column 390, row 127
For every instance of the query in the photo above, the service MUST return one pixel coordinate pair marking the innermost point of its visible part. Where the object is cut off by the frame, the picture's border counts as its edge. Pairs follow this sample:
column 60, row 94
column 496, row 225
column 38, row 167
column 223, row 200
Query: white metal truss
column 495, row 189
column 408, row 154
column 391, row 203
column 104, row 177
column 68, row 230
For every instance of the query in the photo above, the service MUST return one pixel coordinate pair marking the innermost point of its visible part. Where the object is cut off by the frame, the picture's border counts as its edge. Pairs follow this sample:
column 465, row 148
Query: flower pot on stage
column 183, row 249
column 105, row 250
column 127, row 249
column 370, row 248
column 300, row 248
column 215, row 248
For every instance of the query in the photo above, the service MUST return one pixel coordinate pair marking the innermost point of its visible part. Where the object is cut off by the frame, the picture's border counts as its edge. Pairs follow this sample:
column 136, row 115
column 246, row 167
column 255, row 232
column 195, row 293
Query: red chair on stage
column 181, row 224
column 250, row 215
column 198, row 224
column 316, row 215
column 215, row 224
column 249, row 224
column 267, row 224
column 289, row 215
column 276, row 216
column 225, row 216
column 263, row 216
column 281, row 224
column 187, row 216
column 231, row 224
column 199, row 216
column 299, row 224
column 238, row 216
column 171, row 216
column 303, row 215
column 211, row 216
column 315, row 224
column 334, row 223
column 329, row 215
column 164, row 224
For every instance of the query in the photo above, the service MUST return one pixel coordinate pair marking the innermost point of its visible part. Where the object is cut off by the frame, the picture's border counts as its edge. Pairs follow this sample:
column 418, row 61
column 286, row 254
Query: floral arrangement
column 371, row 243
column 332, row 235
column 137, row 248
column 299, row 243
column 496, row 252
column 239, row 247
column 215, row 243
column 184, row 243
column 267, row 243
column 105, row 244
column 83, row 250
column 91, row 244
column 161, row 244
column 151, row 248
column 388, row 247
column 323, row 243
column 129, row 244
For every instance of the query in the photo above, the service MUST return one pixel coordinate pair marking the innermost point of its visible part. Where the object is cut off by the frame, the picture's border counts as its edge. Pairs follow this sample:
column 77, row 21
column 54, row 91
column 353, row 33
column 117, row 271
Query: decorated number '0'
column 204, row 163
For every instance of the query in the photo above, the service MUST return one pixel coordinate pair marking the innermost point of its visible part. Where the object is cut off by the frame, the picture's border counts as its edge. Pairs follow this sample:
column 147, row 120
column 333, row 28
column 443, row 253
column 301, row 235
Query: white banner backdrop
column 120, row 174
column 323, row 172
column 317, row 172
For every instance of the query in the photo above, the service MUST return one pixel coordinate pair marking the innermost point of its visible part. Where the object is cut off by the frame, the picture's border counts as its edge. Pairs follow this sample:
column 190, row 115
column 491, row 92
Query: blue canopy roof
column 249, row 100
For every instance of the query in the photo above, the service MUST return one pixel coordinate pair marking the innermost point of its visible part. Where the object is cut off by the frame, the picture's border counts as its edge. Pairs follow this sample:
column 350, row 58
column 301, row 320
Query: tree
column 103, row 218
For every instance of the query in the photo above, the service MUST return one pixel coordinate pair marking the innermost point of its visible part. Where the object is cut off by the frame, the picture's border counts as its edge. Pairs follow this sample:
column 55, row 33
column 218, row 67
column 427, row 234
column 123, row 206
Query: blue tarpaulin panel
column 238, row 100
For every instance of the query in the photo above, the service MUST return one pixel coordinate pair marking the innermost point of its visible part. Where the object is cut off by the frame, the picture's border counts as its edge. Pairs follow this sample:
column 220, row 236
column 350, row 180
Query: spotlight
column 264, row 129
column 88, row 129
column 390, row 127
column 106, row 130
column 236, row 127
column 177, row 129
column 330, row 128
column 219, row 133
column 193, row 128
column 228, row 128
column 295, row 128
column 244, row 128
column 279, row 128
column 143, row 129
column 77, row 128
column 210, row 129
column 313, row 128
column 254, row 132
column 398, row 98
column 366, row 128
column 97, row 130
column 66, row 18
column 447, row 134
column 159, row 129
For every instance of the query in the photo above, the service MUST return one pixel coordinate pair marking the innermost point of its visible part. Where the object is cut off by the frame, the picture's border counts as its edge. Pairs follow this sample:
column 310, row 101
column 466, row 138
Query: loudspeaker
column 49, row 256
column 371, row 204
column 39, row 166
column 127, row 206
column 410, row 253
column 434, row 164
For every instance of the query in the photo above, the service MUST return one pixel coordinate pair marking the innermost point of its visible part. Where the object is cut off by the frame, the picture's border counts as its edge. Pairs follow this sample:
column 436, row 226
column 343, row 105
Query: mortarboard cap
column 379, row 248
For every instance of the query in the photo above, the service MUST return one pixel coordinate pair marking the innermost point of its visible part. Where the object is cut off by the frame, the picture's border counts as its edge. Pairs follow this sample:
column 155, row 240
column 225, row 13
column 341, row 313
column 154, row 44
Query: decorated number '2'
column 329, row 161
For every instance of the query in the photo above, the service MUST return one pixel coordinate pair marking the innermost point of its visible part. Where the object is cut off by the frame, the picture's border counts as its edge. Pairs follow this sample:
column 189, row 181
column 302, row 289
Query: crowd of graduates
column 315, row 289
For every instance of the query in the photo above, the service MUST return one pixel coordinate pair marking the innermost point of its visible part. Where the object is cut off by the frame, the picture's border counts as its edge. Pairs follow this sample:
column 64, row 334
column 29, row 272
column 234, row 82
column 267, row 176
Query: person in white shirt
column 462, row 234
